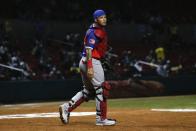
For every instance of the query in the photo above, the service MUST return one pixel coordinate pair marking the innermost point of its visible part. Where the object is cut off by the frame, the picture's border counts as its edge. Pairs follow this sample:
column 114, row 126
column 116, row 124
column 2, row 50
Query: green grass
column 186, row 101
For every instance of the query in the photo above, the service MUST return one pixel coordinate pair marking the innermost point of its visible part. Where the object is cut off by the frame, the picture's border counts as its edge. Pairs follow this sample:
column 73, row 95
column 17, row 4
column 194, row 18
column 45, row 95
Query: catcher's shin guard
column 79, row 98
column 101, row 103
column 102, row 94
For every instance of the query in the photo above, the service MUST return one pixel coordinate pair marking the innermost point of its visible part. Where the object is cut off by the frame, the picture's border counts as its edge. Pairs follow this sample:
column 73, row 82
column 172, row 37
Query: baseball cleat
column 64, row 114
column 105, row 122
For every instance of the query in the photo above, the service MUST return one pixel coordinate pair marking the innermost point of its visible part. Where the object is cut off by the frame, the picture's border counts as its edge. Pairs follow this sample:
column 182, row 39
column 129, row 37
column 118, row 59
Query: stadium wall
column 26, row 91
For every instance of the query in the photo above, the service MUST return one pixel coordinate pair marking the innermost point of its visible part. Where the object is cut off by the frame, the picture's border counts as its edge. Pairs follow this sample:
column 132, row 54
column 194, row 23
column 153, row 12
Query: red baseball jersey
column 96, row 39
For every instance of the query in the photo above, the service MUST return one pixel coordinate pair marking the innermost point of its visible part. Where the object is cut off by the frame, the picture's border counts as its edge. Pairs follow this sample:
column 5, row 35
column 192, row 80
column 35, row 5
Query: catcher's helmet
column 98, row 13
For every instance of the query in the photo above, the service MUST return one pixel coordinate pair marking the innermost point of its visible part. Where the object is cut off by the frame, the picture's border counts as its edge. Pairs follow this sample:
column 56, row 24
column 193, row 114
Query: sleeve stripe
column 88, row 47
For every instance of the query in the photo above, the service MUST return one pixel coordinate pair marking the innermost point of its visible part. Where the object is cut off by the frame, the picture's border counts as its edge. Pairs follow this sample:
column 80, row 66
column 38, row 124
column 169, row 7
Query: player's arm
column 92, row 39
column 90, row 72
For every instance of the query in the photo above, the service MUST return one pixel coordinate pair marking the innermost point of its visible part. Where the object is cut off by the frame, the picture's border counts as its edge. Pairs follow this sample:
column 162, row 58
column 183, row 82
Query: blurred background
column 42, row 39
column 45, row 37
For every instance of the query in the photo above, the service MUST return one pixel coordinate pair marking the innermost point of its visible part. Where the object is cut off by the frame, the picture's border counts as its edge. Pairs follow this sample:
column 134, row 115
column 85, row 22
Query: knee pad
column 99, row 94
column 85, row 94
column 103, row 90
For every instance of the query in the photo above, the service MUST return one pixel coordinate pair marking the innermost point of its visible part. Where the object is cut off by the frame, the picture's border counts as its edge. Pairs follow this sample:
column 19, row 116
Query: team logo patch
column 91, row 41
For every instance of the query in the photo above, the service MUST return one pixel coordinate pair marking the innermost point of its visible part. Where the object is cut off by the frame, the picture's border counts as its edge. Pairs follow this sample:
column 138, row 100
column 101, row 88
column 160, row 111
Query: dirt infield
column 128, row 119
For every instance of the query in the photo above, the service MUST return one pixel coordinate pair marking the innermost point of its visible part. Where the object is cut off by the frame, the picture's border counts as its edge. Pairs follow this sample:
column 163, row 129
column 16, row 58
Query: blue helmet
column 98, row 13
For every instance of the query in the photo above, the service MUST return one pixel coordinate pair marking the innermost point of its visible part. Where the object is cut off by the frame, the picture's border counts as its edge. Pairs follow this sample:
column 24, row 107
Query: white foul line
column 175, row 110
column 43, row 115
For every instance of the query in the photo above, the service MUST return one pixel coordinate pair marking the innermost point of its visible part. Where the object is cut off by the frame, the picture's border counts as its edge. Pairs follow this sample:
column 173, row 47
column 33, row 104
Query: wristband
column 89, row 63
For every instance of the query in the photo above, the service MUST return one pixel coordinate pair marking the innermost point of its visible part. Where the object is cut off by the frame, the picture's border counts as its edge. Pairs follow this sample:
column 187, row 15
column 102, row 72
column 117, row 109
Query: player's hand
column 90, row 73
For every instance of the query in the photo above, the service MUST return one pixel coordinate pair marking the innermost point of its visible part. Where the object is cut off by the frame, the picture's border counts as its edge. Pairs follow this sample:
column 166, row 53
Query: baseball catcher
column 95, row 47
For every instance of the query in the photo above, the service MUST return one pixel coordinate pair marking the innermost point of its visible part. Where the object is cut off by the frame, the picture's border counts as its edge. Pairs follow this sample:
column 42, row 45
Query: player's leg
column 66, row 108
column 101, row 106
column 75, row 101
column 101, row 89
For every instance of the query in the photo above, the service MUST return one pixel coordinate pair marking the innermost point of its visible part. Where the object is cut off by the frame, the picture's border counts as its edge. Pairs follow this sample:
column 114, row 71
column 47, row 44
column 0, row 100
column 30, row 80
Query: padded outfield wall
column 26, row 91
